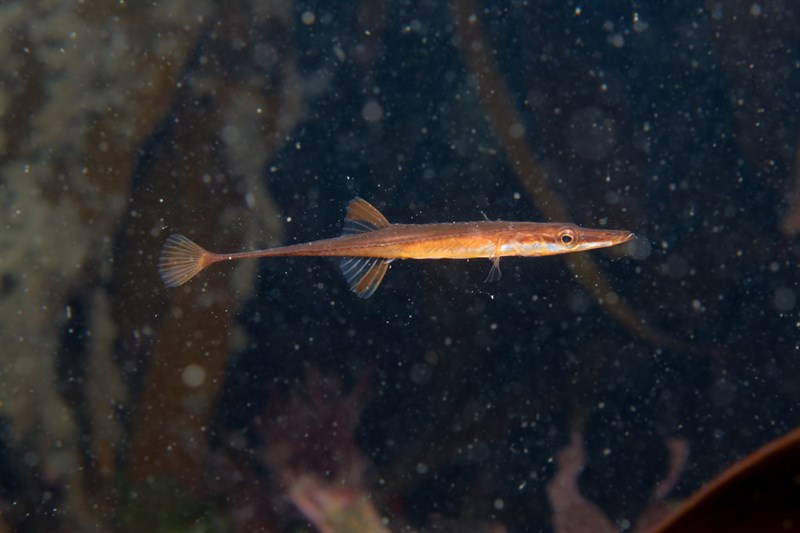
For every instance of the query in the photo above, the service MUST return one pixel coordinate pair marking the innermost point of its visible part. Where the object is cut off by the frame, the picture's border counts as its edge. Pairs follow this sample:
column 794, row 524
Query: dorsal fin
column 362, row 217
column 364, row 274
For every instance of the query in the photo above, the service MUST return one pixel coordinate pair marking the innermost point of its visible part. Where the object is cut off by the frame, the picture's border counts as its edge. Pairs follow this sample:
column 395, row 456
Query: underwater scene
column 399, row 266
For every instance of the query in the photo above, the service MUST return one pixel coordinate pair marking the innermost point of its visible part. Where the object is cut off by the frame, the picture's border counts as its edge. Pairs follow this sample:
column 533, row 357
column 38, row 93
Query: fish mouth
column 614, row 237
column 605, row 239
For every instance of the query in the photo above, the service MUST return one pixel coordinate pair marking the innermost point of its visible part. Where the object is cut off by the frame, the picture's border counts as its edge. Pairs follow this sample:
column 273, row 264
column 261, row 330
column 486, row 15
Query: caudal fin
column 180, row 260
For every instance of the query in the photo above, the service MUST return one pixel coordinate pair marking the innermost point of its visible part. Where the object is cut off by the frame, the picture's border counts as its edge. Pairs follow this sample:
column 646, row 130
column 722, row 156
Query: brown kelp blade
column 181, row 259
column 759, row 493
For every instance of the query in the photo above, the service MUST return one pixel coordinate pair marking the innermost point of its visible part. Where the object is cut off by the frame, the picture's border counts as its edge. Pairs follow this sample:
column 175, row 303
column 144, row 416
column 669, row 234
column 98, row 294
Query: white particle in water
column 308, row 18
column 193, row 375
column 372, row 111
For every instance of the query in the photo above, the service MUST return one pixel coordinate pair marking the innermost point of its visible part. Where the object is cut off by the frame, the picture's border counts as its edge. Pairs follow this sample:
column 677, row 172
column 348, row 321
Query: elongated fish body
column 457, row 240
column 369, row 243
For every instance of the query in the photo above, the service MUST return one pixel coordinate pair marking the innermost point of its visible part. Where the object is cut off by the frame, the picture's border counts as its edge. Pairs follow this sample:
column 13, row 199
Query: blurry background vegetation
column 266, row 396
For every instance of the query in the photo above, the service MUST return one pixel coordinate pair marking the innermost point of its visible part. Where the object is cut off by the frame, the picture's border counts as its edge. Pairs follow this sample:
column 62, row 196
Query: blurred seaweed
column 599, row 390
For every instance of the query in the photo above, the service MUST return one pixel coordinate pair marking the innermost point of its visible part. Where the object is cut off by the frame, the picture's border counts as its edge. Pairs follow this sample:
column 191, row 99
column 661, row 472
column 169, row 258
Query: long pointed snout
column 625, row 236
column 590, row 239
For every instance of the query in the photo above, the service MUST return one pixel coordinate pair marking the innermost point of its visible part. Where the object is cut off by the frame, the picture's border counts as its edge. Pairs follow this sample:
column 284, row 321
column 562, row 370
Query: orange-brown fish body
column 464, row 240
column 369, row 243
column 457, row 240
column 472, row 240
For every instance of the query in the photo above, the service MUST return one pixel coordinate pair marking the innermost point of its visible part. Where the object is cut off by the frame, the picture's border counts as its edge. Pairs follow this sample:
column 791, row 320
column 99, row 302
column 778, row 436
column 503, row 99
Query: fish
column 369, row 244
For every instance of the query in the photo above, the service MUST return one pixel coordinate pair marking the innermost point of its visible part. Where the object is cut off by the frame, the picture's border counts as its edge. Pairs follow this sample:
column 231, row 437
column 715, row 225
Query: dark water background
column 443, row 399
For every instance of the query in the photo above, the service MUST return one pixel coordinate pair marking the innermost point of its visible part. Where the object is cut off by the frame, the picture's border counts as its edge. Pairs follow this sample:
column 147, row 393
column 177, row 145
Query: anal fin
column 364, row 274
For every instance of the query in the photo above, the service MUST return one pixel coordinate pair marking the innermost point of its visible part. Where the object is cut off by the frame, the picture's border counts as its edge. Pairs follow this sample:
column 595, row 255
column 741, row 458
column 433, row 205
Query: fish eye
column 567, row 237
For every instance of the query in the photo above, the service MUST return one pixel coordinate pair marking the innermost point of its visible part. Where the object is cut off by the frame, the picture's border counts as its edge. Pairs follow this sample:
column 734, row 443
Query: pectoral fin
column 364, row 274
column 494, row 273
